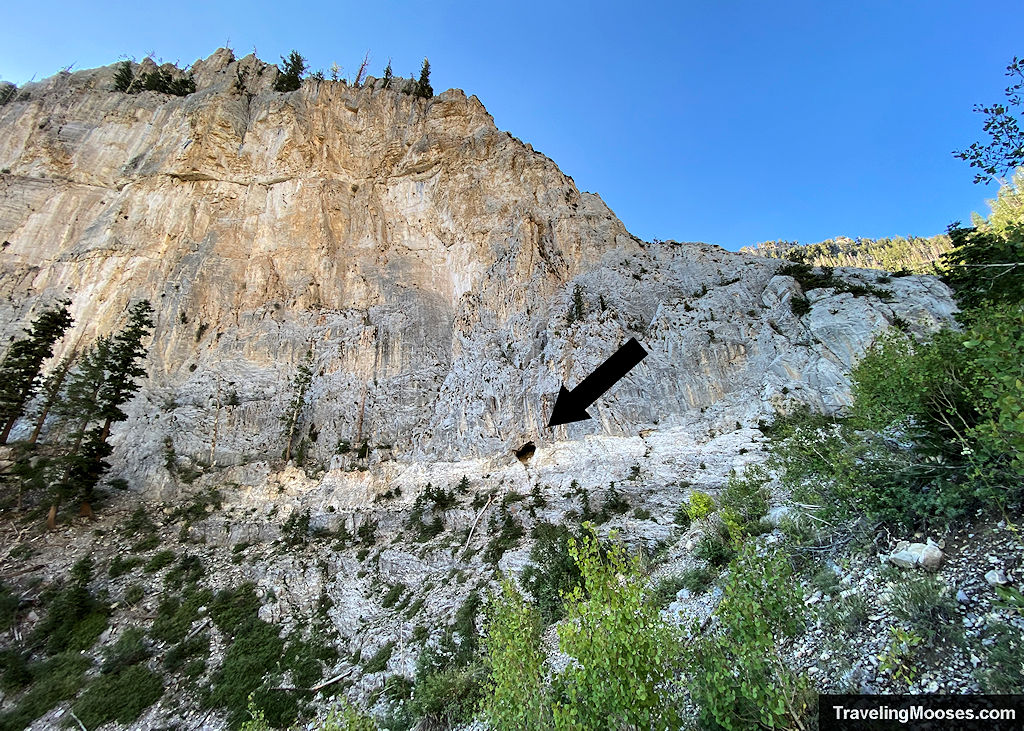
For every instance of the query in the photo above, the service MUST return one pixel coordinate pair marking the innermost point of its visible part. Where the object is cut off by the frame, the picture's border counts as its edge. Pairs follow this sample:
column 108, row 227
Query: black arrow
column 572, row 405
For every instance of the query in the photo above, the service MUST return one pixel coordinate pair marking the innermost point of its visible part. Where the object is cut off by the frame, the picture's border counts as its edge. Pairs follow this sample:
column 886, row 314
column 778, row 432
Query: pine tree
column 123, row 77
column 578, row 309
column 300, row 384
column 423, row 87
column 103, row 382
column 49, row 393
column 20, row 370
column 388, row 74
column 290, row 77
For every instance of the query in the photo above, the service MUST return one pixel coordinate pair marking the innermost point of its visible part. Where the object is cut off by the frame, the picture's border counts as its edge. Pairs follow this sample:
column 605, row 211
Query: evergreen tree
column 388, row 74
column 49, row 393
column 578, row 309
column 103, row 382
column 290, row 419
column 20, row 370
column 290, row 77
column 423, row 87
column 123, row 77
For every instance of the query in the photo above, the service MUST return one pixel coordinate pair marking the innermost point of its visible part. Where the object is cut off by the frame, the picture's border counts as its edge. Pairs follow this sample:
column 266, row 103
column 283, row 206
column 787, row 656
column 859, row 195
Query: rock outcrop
column 423, row 261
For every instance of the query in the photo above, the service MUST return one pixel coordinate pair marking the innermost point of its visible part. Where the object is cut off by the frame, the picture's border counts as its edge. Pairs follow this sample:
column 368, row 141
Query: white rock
column 996, row 577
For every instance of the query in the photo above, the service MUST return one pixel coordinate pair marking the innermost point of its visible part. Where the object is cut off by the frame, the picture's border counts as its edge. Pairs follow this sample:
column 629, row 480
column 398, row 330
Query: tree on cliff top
column 290, row 78
column 423, row 87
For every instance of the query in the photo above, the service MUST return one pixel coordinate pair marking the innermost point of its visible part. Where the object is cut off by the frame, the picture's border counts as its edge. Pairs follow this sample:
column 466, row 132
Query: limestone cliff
column 424, row 259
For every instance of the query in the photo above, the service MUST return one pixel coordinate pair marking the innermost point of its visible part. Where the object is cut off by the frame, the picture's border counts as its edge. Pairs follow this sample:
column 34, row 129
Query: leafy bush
column 744, row 500
column 714, row 546
column 739, row 679
column 449, row 696
column 505, row 533
column 121, row 565
column 1005, row 672
column 984, row 268
column 393, row 595
column 179, row 655
column 552, row 573
column 622, row 649
column 232, row 609
column 174, row 615
column 296, row 528
column 8, row 607
column 517, row 696
column 254, row 651
column 700, row 505
column 799, row 305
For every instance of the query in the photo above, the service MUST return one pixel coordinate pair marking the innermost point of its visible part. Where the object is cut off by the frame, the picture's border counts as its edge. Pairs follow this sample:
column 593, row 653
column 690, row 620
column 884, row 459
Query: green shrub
column 130, row 649
column 121, row 696
column 700, row 505
column 450, row 695
column 256, row 651
column 379, row 661
column 516, row 696
column 296, row 528
column 8, row 607
column 664, row 592
column 159, row 560
column 174, row 615
column 1004, row 671
column 53, row 680
column 744, row 500
column 121, row 565
column 75, row 618
column 232, row 609
column 714, row 546
column 189, row 570
column 924, row 603
column 178, row 656
column 622, row 649
column 682, row 516
column 147, row 543
column 849, row 613
column 799, row 305
column 739, row 680
column 393, row 595
column 505, row 533
column 697, row 579
column 551, row 572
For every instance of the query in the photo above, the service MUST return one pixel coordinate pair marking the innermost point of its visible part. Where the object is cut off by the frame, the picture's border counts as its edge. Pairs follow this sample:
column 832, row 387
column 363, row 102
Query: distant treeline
column 915, row 253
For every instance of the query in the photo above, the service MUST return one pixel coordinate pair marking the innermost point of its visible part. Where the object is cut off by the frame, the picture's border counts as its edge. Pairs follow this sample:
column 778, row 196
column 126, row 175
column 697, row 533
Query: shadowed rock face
column 425, row 260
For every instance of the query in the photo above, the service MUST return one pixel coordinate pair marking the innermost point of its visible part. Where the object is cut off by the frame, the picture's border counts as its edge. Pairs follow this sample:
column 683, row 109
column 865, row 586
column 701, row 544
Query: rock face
column 423, row 261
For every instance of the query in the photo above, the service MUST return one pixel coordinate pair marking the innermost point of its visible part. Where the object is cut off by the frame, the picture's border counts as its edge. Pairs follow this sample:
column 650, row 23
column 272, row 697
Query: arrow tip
column 567, row 409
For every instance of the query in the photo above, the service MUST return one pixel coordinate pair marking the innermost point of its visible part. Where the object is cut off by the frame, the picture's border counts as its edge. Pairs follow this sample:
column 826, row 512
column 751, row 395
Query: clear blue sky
column 720, row 121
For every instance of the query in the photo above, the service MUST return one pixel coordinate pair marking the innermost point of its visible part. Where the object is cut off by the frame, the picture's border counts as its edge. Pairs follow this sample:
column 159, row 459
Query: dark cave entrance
column 526, row 451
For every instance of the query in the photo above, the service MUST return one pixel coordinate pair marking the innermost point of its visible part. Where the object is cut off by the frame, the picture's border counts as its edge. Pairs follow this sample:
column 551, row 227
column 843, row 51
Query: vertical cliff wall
column 421, row 259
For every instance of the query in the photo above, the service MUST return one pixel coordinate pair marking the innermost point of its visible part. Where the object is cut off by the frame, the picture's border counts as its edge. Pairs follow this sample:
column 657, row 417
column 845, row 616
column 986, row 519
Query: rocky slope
column 426, row 262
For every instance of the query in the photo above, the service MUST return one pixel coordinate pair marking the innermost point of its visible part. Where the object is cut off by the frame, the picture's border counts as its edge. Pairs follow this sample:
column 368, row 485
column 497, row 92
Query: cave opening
column 526, row 451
